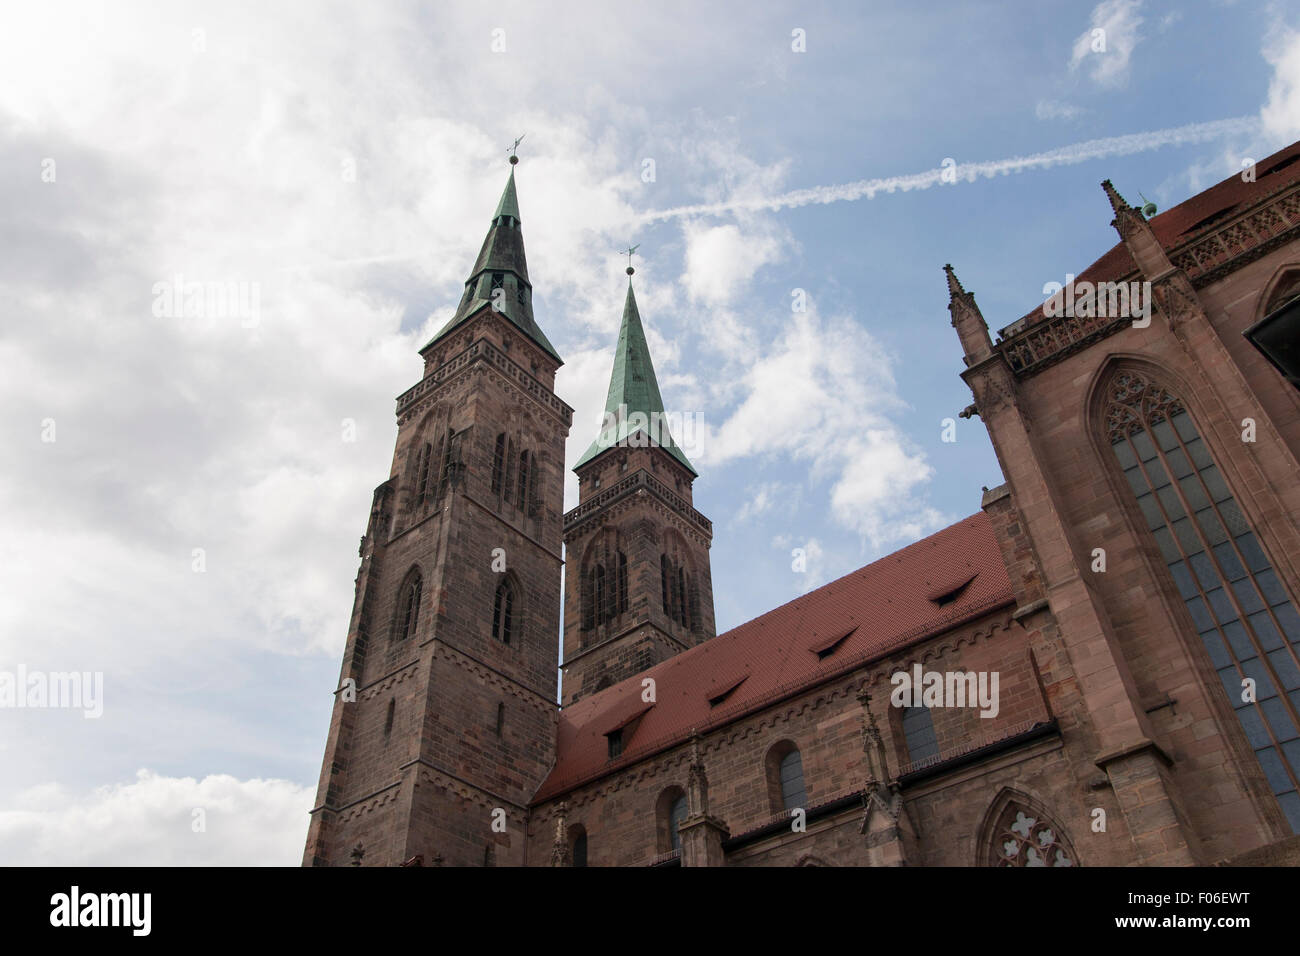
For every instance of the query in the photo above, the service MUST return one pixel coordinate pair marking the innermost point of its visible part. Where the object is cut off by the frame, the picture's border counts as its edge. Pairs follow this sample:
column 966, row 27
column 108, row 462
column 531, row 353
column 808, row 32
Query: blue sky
column 346, row 158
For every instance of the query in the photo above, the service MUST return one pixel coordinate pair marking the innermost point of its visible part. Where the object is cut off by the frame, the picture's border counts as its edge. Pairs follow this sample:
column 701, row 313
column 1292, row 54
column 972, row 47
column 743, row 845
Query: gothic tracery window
column 504, row 611
column 604, row 584
column 1245, row 619
column 680, row 597
column 408, row 606
column 1027, row 839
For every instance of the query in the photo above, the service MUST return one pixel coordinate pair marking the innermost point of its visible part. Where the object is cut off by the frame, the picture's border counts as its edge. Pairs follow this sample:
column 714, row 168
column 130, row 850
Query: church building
column 1099, row 666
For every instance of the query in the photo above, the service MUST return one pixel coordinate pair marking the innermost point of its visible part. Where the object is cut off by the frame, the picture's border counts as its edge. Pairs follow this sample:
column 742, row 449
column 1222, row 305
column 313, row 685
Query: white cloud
column 1106, row 55
column 151, row 822
column 1280, row 116
column 831, row 408
column 763, row 498
column 720, row 260
column 1052, row 110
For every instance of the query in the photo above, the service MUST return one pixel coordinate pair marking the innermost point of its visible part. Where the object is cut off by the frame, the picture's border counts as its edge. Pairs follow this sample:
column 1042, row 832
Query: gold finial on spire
column 514, row 148
column 628, row 252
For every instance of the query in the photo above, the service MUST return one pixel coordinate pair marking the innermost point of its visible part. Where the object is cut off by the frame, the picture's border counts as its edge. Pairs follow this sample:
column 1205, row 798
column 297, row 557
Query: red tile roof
column 876, row 610
column 1185, row 221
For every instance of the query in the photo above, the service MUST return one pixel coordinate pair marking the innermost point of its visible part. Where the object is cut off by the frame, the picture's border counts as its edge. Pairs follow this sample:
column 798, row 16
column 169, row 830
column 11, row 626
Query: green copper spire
column 501, row 268
column 509, row 204
column 634, row 403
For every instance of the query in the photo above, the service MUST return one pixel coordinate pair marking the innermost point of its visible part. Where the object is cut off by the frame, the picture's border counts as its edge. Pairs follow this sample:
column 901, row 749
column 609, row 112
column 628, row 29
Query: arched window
column 499, row 464
column 450, row 456
column 918, row 733
column 408, row 607
column 503, row 611
column 785, row 783
column 1246, row 621
column 578, row 845
column 1017, row 833
column 793, row 793
column 670, row 811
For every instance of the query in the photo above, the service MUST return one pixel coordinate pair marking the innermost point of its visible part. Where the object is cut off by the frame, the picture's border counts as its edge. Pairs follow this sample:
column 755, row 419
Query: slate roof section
column 1188, row 219
column 502, row 252
column 886, row 606
column 633, row 388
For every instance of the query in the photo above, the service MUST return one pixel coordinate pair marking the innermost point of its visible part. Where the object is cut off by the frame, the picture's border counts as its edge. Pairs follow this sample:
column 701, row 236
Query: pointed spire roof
column 502, row 255
column 509, row 204
column 633, row 401
column 1117, row 202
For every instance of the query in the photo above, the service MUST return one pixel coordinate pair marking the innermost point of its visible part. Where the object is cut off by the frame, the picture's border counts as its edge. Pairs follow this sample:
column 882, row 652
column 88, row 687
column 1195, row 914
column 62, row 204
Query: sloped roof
column 502, row 252
column 633, row 403
column 878, row 609
column 1196, row 215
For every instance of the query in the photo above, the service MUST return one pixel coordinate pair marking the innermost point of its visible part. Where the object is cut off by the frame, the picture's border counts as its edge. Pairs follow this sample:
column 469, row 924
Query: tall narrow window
column 499, row 464
column 663, row 581
column 793, row 793
column 918, row 733
column 1245, row 618
column 580, row 848
column 682, row 615
column 508, row 488
column 422, row 473
column 602, row 588
column 533, row 502
column 589, row 600
column 408, row 607
column 444, row 475
column 503, row 611
column 501, row 718
column 622, row 582
column 521, row 498
column 675, row 817
column 388, row 719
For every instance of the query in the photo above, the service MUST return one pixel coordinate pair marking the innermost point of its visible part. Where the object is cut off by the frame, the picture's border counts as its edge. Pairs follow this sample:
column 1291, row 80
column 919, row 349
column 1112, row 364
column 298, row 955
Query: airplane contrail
column 1063, row 155
column 1125, row 145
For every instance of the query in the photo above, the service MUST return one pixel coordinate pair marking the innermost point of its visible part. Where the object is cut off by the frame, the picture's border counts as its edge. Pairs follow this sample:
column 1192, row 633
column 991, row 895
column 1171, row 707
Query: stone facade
column 1119, row 739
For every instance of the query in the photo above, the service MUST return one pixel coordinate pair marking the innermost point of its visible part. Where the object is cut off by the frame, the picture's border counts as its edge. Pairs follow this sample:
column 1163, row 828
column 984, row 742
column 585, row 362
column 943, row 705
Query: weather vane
column 628, row 253
column 514, row 147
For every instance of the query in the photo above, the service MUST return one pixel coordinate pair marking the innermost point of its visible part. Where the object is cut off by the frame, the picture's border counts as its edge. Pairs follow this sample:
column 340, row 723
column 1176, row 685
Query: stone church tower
column 638, row 588
column 444, row 721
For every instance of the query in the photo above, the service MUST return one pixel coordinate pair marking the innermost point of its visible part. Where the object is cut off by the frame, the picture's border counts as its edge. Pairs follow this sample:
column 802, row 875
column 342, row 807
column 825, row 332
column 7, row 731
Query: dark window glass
column 1235, row 599
column 793, row 793
column 918, row 732
column 408, row 611
column 675, row 816
column 499, row 464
